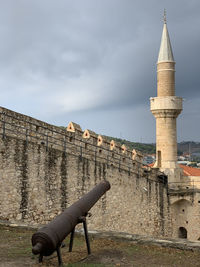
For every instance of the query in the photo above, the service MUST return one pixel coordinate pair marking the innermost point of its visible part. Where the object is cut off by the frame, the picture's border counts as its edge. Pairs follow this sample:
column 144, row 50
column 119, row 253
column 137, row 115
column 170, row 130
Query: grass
column 15, row 248
column 86, row 265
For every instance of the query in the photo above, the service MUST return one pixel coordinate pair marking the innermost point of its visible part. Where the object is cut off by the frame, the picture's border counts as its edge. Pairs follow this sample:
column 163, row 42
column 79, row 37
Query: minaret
column 166, row 107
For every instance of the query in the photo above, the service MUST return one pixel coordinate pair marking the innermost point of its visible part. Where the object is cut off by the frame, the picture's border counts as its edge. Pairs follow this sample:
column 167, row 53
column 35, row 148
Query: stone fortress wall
column 45, row 168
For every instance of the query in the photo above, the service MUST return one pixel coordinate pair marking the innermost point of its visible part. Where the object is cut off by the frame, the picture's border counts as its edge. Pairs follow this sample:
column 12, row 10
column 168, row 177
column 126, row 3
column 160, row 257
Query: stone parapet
column 69, row 140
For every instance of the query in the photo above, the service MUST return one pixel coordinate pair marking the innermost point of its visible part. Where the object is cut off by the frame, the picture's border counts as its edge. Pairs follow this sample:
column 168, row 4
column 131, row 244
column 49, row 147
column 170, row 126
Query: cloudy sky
column 94, row 62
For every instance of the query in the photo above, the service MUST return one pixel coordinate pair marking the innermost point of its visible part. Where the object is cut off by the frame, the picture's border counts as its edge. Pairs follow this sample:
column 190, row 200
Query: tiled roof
column 190, row 171
column 187, row 171
column 151, row 164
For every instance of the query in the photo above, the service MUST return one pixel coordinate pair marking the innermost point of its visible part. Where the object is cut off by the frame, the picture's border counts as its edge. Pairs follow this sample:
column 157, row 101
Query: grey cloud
column 93, row 57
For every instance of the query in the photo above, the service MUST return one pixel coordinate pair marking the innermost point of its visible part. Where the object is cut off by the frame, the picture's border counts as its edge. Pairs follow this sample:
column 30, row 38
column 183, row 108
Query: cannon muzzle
column 37, row 249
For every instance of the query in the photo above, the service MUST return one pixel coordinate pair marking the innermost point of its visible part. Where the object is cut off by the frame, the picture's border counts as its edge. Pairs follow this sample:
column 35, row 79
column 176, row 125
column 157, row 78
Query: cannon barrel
column 48, row 238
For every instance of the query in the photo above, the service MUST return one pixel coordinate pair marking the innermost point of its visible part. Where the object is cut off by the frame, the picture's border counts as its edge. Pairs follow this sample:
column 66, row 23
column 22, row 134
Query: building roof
column 187, row 171
column 190, row 171
column 165, row 53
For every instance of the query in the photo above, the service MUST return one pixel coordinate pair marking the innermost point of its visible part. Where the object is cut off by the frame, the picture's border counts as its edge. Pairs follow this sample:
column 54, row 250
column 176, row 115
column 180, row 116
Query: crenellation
column 123, row 149
column 88, row 134
column 99, row 140
column 112, row 145
column 72, row 127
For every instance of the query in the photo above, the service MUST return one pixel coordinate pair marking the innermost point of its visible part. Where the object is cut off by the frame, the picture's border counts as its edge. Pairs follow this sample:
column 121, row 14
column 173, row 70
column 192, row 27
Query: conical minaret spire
column 166, row 107
column 165, row 53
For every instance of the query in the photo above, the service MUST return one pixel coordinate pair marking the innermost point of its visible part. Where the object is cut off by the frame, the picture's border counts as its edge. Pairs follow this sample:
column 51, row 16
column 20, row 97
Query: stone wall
column 44, row 169
column 185, row 209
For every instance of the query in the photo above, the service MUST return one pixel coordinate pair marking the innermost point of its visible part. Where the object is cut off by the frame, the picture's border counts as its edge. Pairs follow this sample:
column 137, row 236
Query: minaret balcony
column 166, row 103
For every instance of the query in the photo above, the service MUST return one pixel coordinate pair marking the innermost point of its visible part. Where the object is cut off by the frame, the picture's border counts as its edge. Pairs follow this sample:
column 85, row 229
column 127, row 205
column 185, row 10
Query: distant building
column 183, row 162
column 149, row 159
column 181, row 158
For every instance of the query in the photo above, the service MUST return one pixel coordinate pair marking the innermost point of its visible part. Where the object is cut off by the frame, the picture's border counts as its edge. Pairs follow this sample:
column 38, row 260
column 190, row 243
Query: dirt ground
column 15, row 251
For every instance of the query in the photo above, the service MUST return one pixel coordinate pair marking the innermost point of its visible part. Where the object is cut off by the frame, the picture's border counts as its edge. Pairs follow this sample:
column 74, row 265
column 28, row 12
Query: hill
column 144, row 148
column 189, row 146
column 183, row 147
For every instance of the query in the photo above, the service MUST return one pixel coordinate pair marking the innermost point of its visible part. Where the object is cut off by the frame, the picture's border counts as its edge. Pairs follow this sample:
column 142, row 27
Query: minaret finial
column 165, row 17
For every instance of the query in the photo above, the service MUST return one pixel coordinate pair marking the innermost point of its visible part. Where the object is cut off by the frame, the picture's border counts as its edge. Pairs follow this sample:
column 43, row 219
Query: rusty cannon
column 50, row 237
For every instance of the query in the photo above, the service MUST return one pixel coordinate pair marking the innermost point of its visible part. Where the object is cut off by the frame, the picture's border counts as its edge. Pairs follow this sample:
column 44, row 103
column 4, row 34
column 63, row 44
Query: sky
column 93, row 62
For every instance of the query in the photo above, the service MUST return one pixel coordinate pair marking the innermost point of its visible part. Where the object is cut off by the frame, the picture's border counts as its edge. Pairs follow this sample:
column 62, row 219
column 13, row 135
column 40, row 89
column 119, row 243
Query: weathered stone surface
column 41, row 176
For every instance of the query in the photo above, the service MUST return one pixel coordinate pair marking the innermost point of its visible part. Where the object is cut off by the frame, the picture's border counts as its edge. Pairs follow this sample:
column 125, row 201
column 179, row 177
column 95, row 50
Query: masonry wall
column 185, row 208
column 44, row 169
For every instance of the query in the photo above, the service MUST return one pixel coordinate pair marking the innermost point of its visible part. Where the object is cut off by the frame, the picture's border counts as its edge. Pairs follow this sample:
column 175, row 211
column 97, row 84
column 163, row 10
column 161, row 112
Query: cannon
column 50, row 237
